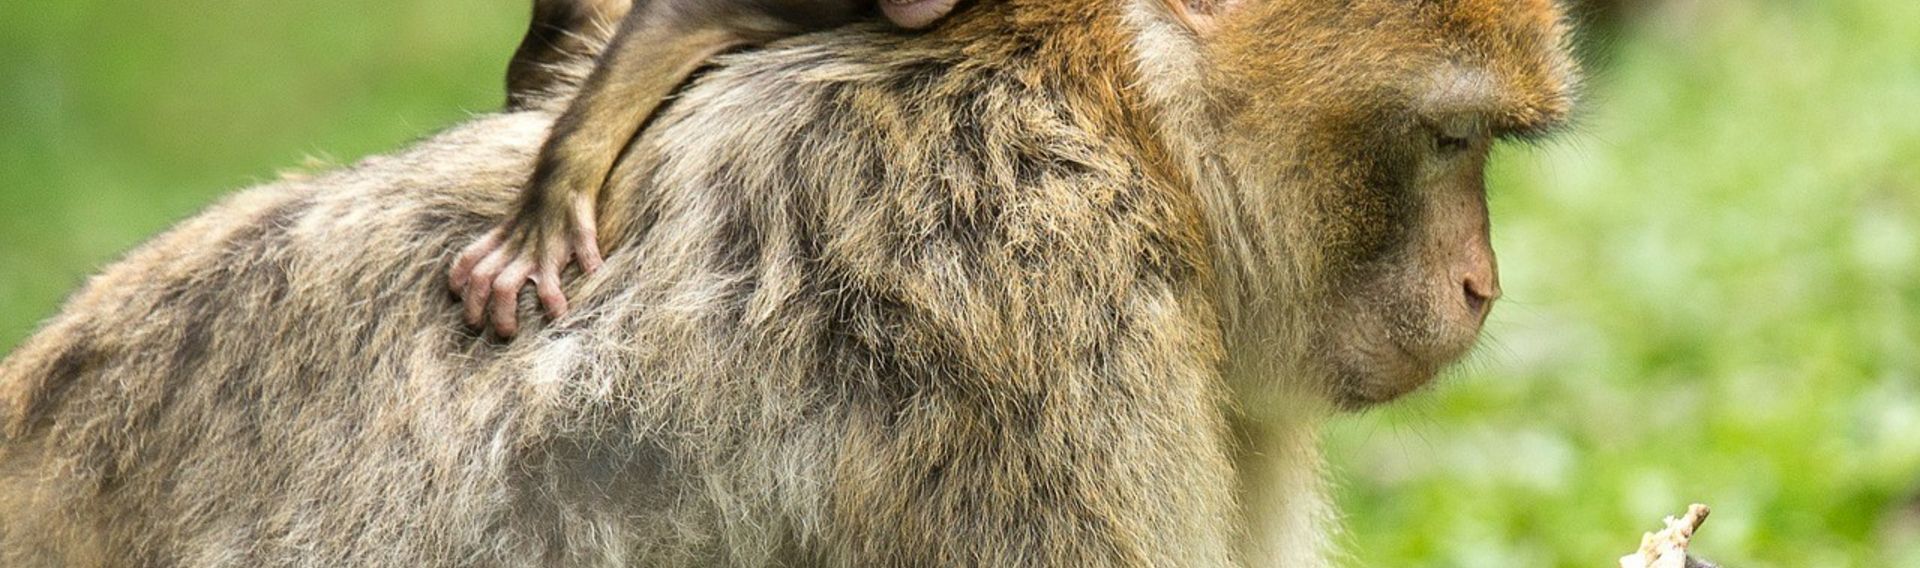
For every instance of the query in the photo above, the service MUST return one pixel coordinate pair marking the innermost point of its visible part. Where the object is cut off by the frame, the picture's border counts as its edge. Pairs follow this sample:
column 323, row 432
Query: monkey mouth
column 915, row 14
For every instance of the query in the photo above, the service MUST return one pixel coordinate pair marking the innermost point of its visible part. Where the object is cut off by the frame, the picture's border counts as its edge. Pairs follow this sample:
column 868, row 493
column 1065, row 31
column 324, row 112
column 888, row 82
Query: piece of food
column 1668, row 548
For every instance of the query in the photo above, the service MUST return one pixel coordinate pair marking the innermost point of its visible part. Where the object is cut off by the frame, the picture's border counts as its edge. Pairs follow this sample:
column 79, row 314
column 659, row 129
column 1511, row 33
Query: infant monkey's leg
column 561, row 36
column 555, row 219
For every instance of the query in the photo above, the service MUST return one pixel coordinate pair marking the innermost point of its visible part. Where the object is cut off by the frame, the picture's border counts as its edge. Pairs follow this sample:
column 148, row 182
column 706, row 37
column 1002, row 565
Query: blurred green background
column 1713, row 284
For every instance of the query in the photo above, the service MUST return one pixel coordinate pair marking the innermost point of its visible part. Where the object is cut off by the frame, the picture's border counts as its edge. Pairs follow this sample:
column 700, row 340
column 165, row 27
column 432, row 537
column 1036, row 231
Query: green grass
column 120, row 118
column 1713, row 284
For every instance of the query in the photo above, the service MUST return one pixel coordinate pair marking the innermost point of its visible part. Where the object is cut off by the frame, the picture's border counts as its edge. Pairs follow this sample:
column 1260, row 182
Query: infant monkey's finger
column 547, row 285
column 586, row 251
column 462, row 270
column 480, row 286
column 585, row 239
column 506, row 297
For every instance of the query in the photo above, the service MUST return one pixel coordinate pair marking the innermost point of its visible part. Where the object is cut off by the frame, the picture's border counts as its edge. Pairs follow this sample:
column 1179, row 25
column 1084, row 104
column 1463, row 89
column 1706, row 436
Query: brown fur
column 1062, row 283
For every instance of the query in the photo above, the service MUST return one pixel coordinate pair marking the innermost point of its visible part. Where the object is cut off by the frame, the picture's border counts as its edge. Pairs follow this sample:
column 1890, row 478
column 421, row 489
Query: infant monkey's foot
column 915, row 14
column 490, row 272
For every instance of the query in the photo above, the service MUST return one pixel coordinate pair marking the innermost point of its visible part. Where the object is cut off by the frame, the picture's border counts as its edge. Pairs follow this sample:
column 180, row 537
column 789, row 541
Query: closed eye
column 1447, row 144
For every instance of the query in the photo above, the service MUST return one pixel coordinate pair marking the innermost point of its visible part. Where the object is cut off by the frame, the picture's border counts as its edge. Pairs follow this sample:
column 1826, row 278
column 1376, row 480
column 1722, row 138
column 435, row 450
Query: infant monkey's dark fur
column 657, row 45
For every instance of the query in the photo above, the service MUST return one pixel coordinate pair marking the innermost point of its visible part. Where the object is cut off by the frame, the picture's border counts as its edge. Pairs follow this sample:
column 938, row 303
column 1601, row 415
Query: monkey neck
column 1287, row 517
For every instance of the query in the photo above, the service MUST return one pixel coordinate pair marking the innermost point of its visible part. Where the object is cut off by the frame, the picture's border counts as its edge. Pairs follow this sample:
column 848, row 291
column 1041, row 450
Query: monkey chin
column 1381, row 381
column 1385, row 360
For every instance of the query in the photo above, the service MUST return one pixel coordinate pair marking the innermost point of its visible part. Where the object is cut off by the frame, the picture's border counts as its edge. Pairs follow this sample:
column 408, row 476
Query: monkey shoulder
column 900, row 154
column 922, row 200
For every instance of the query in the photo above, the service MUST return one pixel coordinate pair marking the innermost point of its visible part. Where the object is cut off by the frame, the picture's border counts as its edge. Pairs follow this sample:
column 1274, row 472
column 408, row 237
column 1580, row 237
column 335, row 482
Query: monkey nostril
column 1475, row 301
column 1478, row 295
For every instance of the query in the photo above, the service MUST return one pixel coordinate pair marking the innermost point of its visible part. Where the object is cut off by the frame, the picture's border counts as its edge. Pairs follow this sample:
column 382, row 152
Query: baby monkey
column 656, row 46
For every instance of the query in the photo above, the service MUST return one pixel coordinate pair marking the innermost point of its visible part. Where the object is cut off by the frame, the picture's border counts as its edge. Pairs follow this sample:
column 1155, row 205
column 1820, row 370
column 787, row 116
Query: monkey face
column 1408, row 292
column 1357, row 135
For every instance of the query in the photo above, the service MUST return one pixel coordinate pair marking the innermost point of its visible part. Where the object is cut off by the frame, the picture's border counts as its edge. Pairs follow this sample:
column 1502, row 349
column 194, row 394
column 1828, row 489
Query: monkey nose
column 1478, row 275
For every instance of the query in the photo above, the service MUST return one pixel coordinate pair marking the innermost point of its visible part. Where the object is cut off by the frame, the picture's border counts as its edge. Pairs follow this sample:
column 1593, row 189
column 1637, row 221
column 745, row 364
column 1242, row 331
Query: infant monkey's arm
column 659, row 43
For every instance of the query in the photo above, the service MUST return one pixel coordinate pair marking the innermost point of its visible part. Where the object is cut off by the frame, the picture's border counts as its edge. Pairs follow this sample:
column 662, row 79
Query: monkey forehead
column 1505, row 63
column 1475, row 98
column 1510, row 60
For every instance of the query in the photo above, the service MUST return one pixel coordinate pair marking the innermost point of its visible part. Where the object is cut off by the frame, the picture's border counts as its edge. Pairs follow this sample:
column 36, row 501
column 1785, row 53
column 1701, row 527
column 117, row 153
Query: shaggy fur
column 988, row 296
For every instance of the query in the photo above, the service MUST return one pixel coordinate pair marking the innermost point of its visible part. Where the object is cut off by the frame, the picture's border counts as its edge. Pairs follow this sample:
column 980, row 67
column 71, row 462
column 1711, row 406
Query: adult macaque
column 1061, row 283
column 658, row 44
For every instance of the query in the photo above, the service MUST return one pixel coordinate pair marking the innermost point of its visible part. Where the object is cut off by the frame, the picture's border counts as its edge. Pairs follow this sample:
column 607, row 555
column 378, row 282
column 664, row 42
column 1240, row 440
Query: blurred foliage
column 1713, row 284
column 121, row 117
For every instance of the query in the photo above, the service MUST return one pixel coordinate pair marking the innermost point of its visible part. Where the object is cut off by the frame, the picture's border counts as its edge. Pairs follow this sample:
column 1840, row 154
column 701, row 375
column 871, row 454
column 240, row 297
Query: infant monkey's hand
column 657, row 46
column 490, row 272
